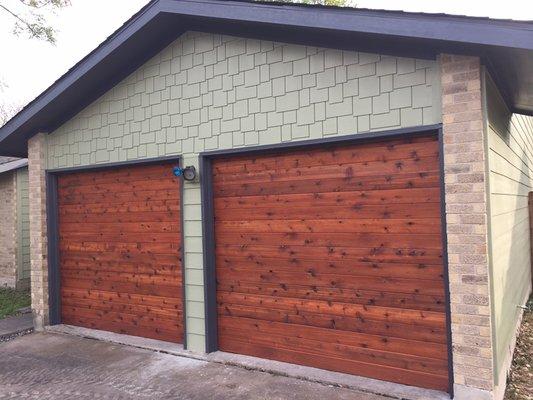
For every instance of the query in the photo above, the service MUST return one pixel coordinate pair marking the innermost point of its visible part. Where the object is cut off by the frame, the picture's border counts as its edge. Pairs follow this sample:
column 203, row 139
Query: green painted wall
column 23, row 229
column 206, row 92
column 510, row 162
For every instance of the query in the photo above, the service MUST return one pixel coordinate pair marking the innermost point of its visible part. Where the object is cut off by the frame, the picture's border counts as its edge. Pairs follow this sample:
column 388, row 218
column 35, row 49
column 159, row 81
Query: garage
column 331, row 256
column 120, row 250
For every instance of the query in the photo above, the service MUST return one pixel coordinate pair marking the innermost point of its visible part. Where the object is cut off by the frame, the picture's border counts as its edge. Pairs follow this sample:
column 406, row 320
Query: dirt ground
column 520, row 381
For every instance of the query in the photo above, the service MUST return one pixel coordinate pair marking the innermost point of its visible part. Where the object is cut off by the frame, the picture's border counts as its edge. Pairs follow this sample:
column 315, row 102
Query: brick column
column 38, row 238
column 466, row 215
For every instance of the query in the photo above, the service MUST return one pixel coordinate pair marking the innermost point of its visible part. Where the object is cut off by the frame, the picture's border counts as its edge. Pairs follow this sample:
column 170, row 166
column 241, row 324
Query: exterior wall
column 466, row 216
column 207, row 92
column 8, row 242
column 510, row 162
column 23, row 229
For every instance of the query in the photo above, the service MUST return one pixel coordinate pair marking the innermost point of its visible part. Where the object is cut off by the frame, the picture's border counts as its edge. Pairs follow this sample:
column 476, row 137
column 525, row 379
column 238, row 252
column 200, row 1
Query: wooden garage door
column 120, row 251
column 332, row 258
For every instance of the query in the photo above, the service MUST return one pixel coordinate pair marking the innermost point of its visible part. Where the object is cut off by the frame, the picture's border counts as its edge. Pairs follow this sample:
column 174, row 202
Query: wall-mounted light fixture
column 188, row 173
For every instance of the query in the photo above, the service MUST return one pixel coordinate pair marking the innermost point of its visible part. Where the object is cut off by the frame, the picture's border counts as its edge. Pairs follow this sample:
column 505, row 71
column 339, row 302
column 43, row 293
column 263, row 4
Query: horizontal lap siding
column 120, row 251
column 332, row 257
column 510, row 161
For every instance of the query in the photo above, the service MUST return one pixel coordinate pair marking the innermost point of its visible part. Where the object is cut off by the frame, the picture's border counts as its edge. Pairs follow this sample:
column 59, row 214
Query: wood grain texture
column 120, row 251
column 332, row 258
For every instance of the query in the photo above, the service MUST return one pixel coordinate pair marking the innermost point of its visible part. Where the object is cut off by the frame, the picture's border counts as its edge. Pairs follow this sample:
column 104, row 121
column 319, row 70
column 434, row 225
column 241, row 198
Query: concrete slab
column 361, row 384
column 57, row 366
column 14, row 325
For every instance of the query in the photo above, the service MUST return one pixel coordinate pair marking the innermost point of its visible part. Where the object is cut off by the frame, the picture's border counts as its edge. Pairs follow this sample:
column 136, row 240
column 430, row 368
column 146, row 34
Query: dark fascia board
column 457, row 33
column 479, row 31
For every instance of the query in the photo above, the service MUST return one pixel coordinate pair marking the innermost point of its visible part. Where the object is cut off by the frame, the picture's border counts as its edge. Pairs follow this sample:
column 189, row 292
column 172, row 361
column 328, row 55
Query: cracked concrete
column 56, row 366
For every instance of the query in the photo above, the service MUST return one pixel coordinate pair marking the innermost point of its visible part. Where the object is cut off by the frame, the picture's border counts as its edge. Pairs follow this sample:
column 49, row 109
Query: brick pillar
column 466, row 216
column 38, row 238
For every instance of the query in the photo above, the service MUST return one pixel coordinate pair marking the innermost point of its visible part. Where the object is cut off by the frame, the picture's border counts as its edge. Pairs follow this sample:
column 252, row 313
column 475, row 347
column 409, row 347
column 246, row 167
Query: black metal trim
column 357, row 137
column 208, row 222
column 54, row 275
column 208, row 228
column 444, row 234
column 117, row 164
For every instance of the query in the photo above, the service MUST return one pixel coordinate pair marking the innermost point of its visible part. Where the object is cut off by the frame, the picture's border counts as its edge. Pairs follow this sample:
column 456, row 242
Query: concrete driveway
column 56, row 366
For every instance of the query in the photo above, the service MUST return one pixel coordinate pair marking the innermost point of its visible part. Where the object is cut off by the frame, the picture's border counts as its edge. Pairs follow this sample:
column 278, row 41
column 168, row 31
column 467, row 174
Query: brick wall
column 8, row 233
column 206, row 92
column 38, row 238
column 466, row 213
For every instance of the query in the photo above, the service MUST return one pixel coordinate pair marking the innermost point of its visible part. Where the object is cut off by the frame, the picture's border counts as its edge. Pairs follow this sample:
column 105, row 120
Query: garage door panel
column 378, row 182
column 356, row 296
column 164, row 210
column 395, row 150
column 375, row 254
column 433, row 241
column 314, row 247
column 363, row 225
column 125, row 277
column 120, row 286
column 157, row 215
column 386, row 285
column 362, row 170
column 289, row 354
column 119, row 237
column 124, row 259
column 326, row 346
column 344, row 323
column 371, row 312
column 123, row 227
column 97, row 320
column 97, row 257
column 170, row 270
column 352, row 268
column 123, row 308
column 250, row 327
column 158, row 302
column 318, row 199
column 126, row 186
column 119, row 198
column 115, row 175
column 395, row 211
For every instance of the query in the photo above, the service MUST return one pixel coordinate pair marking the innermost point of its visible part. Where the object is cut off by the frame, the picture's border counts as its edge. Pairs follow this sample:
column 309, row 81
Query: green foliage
column 29, row 16
column 11, row 300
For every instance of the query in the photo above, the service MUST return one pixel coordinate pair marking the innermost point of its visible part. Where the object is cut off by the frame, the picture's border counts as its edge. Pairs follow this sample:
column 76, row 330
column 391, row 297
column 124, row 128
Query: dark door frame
column 208, row 222
column 52, row 212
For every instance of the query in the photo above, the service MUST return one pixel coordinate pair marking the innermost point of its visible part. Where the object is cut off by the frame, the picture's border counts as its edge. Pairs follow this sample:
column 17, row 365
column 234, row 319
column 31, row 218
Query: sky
column 29, row 66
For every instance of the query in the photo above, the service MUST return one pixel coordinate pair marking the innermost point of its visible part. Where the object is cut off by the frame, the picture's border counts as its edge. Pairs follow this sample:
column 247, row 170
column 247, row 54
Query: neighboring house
column 362, row 199
column 14, row 224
